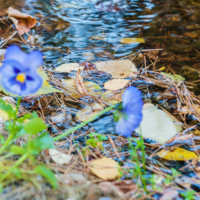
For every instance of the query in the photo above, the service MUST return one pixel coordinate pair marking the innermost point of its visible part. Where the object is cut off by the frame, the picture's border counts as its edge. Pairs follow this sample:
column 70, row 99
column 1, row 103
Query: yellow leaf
column 105, row 168
column 162, row 68
column 178, row 154
column 132, row 40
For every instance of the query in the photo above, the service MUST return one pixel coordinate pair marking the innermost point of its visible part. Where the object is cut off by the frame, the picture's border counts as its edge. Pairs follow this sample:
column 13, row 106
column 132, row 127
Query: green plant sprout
column 95, row 140
column 169, row 178
column 188, row 195
column 138, row 171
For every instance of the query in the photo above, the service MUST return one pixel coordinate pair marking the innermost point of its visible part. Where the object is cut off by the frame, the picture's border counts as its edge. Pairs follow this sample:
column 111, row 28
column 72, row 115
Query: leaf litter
column 173, row 106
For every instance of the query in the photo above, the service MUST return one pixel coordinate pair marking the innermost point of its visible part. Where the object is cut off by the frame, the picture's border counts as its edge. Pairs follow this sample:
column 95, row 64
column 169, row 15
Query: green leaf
column 48, row 174
column 44, row 141
column 176, row 78
column 17, row 150
column 25, row 117
column 34, row 126
column 8, row 108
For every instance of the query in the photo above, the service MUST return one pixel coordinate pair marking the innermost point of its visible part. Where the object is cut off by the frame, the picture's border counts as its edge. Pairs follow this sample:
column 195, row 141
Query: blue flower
column 130, row 114
column 19, row 71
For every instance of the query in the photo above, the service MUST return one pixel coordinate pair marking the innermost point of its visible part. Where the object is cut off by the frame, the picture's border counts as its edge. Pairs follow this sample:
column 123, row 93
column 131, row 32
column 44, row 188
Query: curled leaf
column 22, row 21
column 79, row 83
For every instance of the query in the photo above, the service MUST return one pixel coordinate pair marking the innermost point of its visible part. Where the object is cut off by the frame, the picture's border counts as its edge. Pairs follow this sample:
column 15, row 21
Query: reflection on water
column 92, row 29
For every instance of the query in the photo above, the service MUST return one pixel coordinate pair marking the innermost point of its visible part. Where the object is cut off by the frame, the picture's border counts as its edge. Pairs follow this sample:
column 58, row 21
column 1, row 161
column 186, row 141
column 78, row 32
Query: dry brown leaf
column 118, row 68
column 79, row 83
column 22, row 21
column 115, row 84
column 105, row 168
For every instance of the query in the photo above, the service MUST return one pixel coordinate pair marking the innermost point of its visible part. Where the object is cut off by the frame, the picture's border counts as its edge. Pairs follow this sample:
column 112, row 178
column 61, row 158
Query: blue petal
column 14, row 53
column 33, row 84
column 34, row 60
column 11, row 68
column 10, row 86
column 132, row 101
column 126, row 126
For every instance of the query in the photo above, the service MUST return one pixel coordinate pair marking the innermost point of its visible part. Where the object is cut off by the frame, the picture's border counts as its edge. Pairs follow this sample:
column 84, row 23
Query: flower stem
column 12, row 134
column 6, row 143
column 17, row 163
column 84, row 123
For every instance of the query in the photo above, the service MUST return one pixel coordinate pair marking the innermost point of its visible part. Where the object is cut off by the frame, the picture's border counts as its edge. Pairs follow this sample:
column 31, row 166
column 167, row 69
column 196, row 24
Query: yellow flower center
column 21, row 77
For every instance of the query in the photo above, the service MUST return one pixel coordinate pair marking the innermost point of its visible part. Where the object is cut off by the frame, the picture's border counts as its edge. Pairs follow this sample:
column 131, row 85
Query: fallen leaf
column 177, row 78
column 132, row 40
column 68, row 67
column 105, row 168
column 58, row 157
column 116, row 84
column 118, row 68
column 89, row 111
column 91, row 87
column 79, row 83
column 157, row 124
column 22, row 21
column 178, row 154
column 162, row 68
column 112, row 97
